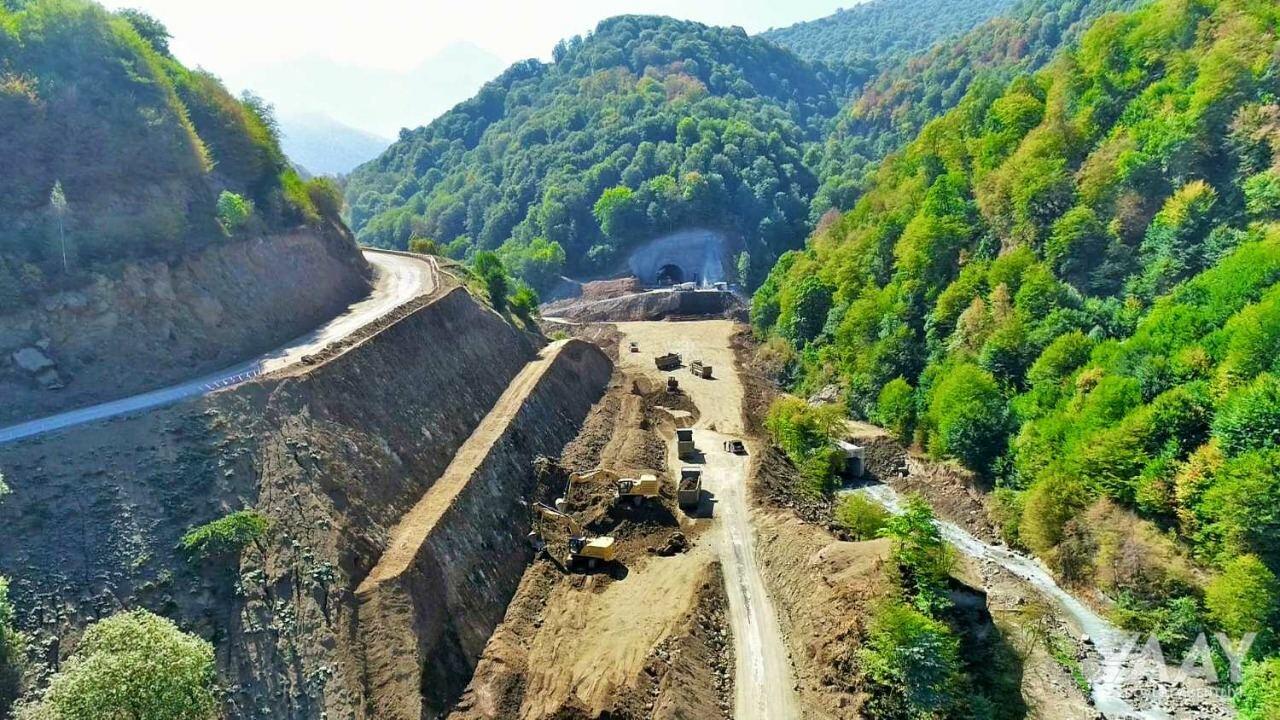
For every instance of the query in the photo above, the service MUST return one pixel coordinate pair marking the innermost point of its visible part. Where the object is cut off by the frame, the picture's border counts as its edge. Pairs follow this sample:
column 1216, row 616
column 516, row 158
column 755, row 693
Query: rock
column 828, row 395
column 33, row 360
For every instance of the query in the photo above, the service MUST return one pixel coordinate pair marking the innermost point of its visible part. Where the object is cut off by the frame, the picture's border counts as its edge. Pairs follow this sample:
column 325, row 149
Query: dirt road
column 398, row 279
column 764, row 683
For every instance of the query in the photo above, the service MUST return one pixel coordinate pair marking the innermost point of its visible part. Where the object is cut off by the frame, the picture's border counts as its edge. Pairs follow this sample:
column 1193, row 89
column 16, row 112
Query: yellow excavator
column 582, row 550
column 625, row 489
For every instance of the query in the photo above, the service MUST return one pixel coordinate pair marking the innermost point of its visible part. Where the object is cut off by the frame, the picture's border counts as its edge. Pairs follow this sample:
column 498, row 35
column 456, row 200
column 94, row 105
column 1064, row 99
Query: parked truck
column 700, row 370
column 689, row 491
column 684, row 442
column 669, row 361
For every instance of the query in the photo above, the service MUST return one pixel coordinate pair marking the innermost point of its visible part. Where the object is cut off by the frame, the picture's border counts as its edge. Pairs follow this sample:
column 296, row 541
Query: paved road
column 764, row 684
column 397, row 279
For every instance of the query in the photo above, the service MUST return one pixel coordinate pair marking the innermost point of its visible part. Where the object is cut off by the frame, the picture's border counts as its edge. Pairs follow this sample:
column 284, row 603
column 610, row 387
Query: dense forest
column 113, row 150
column 876, row 34
column 652, row 124
column 1070, row 284
column 646, row 125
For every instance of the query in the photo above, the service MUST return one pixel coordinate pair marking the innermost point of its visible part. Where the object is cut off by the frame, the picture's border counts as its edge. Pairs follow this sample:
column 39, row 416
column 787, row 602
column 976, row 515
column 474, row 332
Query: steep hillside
column 888, row 110
column 113, row 150
column 1069, row 285
column 879, row 33
column 645, row 125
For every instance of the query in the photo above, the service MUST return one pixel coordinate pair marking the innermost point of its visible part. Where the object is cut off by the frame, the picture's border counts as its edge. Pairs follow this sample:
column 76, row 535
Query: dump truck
column 669, row 361
column 634, row 347
column 684, row 442
column 689, row 491
column 735, row 447
column 637, row 491
column 700, row 370
column 581, row 549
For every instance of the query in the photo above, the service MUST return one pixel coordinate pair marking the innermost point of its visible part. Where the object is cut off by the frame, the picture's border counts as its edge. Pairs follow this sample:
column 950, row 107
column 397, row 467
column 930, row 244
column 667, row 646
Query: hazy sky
column 231, row 35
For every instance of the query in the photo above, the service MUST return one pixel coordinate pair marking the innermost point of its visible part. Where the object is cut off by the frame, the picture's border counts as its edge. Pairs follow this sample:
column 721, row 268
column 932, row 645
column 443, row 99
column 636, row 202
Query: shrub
column 805, row 434
column 863, row 519
column 524, row 302
column 12, row 649
column 326, row 197
column 896, row 409
column 915, row 659
column 424, row 246
column 1243, row 599
column 233, row 211
column 225, row 536
column 134, row 665
column 1258, row 697
column 489, row 268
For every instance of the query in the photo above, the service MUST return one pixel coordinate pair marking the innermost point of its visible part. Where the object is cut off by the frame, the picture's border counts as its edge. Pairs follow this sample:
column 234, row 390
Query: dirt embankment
column 334, row 458
column 653, row 305
column 429, row 605
column 152, row 324
column 644, row 638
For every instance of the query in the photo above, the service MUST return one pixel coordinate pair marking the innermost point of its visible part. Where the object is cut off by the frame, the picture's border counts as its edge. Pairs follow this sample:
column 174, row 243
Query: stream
column 1113, row 645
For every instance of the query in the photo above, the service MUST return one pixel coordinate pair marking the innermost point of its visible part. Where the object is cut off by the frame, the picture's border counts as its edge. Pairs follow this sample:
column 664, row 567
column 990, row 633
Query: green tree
column 616, row 212
column 1243, row 599
column 151, row 29
column 524, row 302
column 234, row 211
column 134, row 665
column 424, row 246
column 915, row 659
column 970, row 417
column 922, row 556
column 896, row 409
column 1250, row 417
column 1050, row 503
column 804, row 311
column 488, row 266
column 226, row 536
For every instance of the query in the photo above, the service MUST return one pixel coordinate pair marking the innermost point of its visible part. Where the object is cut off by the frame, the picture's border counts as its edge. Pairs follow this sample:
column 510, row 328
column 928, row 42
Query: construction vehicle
column 673, row 385
column 635, row 347
column 670, row 361
column 637, row 491
column 582, row 550
column 684, row 442
column 689, row 491
column 735, row 447
column 700, row 370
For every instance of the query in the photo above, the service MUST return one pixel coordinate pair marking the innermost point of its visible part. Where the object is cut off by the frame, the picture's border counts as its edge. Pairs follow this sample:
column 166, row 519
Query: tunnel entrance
column 670, row 274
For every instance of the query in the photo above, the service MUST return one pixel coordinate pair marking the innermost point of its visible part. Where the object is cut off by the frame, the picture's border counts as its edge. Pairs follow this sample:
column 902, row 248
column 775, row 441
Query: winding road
column 398, row 278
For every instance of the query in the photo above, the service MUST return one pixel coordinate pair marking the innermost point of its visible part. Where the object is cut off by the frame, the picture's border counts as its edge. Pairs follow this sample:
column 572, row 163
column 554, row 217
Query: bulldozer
column 581, row 549
column 637, row 491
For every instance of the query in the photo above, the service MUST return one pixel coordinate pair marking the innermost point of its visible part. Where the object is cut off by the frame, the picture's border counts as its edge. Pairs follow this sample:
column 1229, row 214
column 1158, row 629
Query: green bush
column 134, row 665
column 1258, row 697
column 12, row 652
column 424, row 246
column 805, row 434
column 1050, row 503
column 326, row 197
column 524, row 302
column 860, row 517
column 1244, row 598
column 915, row 661
column 226, row 536
column 489, row 268
column 234, row 211
column 923, row 558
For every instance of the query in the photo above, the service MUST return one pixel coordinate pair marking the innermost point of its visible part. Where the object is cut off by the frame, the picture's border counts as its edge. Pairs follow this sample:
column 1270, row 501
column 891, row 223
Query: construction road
column 398, row 278
column 763, row 680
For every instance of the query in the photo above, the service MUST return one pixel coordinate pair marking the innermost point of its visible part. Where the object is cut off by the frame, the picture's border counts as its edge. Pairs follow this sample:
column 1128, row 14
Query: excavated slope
column 422, row 616
column 334, row 457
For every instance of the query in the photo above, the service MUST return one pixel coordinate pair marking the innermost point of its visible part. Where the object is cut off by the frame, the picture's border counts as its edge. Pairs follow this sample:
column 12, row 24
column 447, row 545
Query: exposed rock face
column 154, row 323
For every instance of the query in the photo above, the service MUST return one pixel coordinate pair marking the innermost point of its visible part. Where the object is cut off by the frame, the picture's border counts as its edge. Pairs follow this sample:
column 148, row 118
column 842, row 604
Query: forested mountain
column 323, row 146
column 112, row 149
column 647, row 124
column 880, row 33
column 889, row 109
column 1070, row 283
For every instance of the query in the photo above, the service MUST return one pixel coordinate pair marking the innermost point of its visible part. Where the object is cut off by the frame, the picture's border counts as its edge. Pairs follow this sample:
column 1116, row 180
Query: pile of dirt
column 606, row 289
column 603, row 335
column 650, row 305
